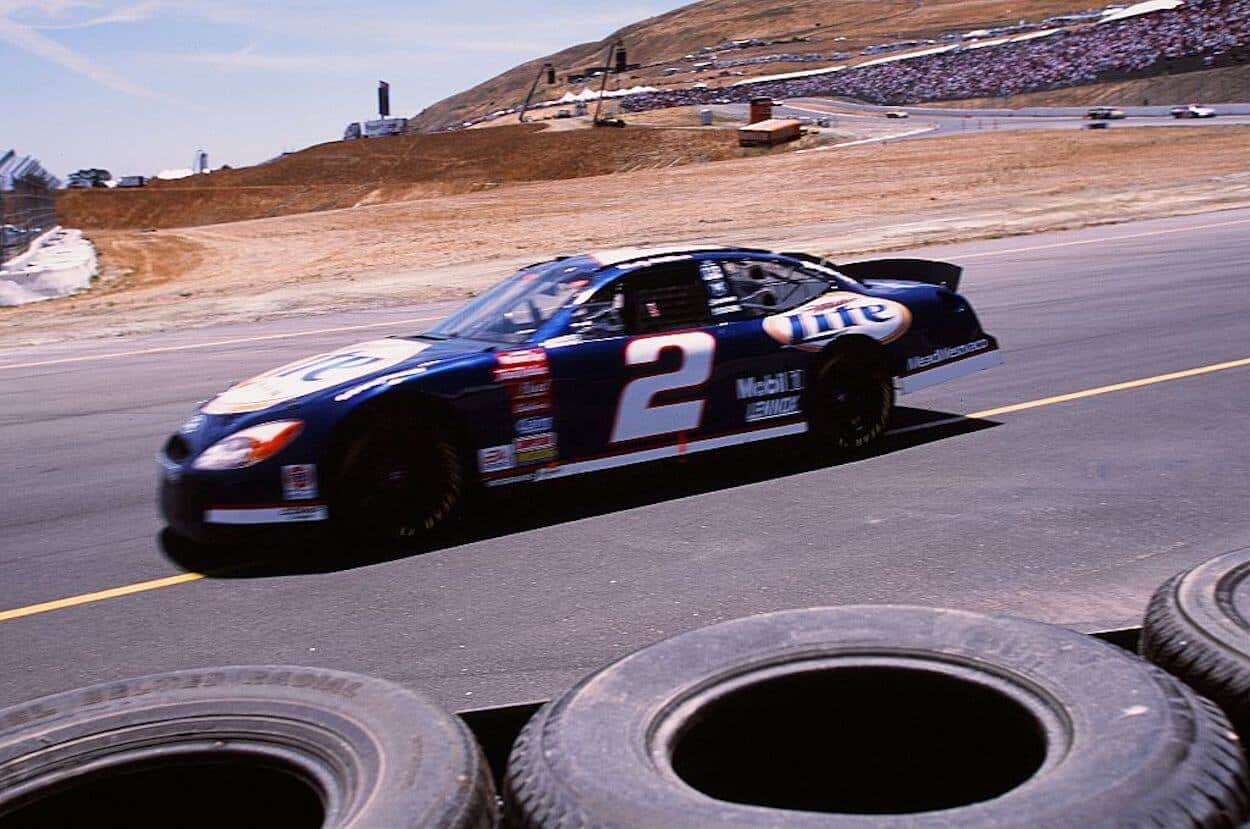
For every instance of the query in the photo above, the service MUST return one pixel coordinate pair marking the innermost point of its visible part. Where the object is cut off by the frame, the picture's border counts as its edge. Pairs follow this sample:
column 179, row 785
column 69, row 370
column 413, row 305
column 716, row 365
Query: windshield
column 516, row 308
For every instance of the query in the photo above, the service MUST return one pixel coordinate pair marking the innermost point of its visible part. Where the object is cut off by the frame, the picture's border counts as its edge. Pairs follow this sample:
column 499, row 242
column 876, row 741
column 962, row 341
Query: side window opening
column 766, row 287
column 660, row 298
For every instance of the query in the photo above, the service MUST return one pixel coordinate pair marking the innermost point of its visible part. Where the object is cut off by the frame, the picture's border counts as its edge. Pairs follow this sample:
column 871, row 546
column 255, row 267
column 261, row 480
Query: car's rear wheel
column 399, row 477
column 852, row 398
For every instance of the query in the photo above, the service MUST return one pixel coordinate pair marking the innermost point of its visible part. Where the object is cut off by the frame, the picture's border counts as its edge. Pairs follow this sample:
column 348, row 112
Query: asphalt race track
column 935, row 122
column 1070, row 509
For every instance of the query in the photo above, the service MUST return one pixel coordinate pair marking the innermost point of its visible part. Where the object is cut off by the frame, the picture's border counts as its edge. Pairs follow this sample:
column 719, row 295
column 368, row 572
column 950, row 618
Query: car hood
column 354, row 365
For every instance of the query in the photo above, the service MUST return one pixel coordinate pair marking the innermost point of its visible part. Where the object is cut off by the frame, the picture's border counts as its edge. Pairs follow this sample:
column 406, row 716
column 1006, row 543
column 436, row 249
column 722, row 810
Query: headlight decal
column 250, row 446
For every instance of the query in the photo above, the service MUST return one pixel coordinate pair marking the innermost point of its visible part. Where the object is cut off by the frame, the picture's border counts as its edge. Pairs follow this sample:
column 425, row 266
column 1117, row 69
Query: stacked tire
column 878, row 717
column 871, row 717
column 1197, row 627
column 241, row 746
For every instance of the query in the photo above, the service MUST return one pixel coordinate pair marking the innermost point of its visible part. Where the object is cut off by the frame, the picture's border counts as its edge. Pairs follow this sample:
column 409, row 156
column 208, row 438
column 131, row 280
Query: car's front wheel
column 851, row 400
column 397, row 479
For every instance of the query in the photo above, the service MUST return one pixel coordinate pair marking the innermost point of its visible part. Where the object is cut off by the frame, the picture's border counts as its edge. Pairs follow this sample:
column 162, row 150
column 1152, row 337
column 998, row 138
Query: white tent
column 1140, row 8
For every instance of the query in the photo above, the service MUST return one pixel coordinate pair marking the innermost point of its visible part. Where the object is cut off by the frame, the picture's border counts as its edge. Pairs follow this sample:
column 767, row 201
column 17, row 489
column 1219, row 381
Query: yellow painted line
column 1131, row 384
column 172, row 581
column 1102, row 240
column 100, row 596
column 165, row 349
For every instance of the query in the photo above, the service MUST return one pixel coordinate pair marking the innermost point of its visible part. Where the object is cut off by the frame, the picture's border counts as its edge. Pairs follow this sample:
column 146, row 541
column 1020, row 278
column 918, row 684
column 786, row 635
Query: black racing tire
column 241, row 746
column 401, row 475
column 878, row 717
column 851, row 398
column 1197, row 628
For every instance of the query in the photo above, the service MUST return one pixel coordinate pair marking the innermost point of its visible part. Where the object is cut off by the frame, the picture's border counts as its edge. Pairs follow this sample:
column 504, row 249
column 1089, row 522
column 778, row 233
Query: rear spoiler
column 908, row 270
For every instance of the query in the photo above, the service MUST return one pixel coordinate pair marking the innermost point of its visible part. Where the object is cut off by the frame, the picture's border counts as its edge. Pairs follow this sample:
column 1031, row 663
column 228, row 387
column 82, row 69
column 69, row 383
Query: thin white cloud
column 27, row 39
column 135, row 13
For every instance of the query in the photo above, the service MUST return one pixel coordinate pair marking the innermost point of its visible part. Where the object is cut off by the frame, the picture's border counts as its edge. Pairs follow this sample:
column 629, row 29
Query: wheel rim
column 854, row 405
column 394, row 485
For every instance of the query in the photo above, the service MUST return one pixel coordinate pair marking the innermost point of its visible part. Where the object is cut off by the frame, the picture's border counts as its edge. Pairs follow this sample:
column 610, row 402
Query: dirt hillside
column 353, row 173
column 839, row 202
column 826, row 25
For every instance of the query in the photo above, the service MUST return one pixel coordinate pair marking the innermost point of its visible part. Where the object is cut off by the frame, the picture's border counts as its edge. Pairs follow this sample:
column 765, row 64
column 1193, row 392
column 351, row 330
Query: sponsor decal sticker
column 193, row 425
column 758, row 410
column 496, row 458
column 519, row 365
column 943, row 355
column 535, row 448
column 266, row 515
column 769, row 385
column 530, row 405
column 299, row 482
column 315, row 374
column 534, row 425
column 526, row 376
column 810, row 326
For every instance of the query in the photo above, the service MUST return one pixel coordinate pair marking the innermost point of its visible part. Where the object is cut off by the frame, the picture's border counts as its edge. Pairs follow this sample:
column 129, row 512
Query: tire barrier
column 878, row 717
column 1197, row 628
column 241, row 746
column 826, row 717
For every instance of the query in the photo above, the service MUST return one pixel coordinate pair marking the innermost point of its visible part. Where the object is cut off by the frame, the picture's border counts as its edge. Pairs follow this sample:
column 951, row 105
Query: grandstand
column 27, row 203
column 1199, row 34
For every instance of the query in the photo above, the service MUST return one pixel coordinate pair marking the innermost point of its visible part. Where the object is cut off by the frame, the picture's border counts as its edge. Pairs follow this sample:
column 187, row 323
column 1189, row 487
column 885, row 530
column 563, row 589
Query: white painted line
column 165, row 349
column 1102, row 240
column 878, row 140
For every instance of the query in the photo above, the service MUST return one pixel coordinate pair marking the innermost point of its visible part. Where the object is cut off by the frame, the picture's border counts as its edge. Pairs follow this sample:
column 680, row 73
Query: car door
column 637, row 376
column 759, row 381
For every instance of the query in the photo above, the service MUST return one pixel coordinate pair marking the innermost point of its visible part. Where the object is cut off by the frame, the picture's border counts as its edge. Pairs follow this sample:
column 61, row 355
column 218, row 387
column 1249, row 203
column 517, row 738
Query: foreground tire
column 852, row 399
column 878, row 717
column 1197, row 628
column 240, row 746
column 398, row 478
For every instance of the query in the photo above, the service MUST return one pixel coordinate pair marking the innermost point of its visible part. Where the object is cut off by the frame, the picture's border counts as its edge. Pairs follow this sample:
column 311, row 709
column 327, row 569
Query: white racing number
column 636, row 416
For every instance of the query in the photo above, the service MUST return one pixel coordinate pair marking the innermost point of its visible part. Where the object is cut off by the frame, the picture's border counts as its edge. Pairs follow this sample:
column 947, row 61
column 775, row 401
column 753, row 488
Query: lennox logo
column 769, row 409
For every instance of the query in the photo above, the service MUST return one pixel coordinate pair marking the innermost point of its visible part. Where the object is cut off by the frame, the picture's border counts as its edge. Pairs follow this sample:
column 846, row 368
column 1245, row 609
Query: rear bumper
column 953, row 363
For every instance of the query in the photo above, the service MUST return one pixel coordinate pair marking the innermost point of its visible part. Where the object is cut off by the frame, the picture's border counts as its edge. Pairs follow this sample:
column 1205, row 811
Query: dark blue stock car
column 571, row 366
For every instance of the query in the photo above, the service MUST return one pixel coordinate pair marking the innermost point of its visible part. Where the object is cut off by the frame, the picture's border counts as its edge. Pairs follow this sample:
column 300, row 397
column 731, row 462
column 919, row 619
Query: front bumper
column 215, row 509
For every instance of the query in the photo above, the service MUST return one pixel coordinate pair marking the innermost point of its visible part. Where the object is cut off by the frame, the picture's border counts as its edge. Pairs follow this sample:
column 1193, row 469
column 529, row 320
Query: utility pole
column 550, row 72
column 616, row 61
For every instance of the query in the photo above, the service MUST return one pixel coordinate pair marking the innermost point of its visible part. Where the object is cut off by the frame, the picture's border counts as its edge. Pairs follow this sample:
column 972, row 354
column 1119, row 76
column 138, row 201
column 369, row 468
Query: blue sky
column 139, row 86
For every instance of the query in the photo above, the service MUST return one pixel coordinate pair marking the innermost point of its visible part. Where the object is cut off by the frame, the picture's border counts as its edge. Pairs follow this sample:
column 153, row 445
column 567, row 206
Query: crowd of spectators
column 1070, row 57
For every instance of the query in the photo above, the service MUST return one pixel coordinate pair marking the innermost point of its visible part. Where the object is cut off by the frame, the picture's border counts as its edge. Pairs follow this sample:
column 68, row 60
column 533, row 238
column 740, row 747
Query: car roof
column 619, row 256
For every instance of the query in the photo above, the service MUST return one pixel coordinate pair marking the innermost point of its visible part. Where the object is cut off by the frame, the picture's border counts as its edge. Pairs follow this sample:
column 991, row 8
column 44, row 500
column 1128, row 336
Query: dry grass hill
column 828, row 25
column 356, row 173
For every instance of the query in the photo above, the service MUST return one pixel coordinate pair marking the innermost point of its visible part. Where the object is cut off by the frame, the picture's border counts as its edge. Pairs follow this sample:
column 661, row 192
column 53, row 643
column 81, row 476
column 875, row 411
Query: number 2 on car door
column 636, row 415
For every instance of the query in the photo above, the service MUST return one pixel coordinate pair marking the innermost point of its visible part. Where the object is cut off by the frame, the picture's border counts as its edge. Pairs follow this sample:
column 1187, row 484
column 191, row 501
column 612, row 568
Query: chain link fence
column 27, row 203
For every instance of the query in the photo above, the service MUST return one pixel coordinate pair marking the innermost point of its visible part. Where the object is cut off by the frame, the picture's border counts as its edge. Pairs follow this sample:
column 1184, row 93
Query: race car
column 1193, row 111
column 568, row 367
column 1105, row 114
column 898, row 113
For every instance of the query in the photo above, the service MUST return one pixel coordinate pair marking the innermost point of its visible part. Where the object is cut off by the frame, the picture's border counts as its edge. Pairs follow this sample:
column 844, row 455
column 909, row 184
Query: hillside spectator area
column 1199, row 34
